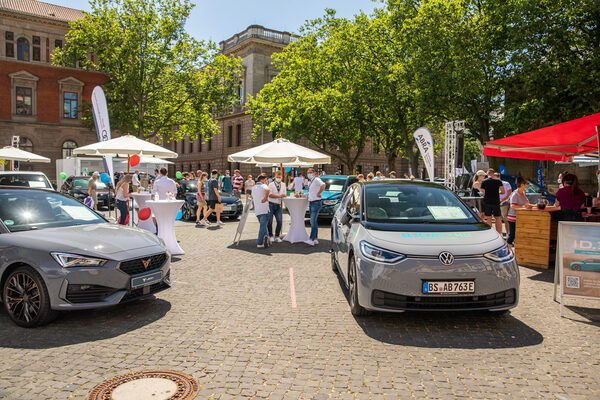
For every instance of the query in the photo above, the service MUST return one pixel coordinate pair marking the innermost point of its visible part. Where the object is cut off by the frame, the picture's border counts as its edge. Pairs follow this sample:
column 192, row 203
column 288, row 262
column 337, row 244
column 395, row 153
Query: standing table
column 141, row 199
column 297, row 207
column 535, row 239
column 165, row 212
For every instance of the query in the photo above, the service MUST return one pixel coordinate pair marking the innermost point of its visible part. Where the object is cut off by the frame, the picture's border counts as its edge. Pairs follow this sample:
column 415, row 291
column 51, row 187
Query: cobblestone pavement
column 228, row 321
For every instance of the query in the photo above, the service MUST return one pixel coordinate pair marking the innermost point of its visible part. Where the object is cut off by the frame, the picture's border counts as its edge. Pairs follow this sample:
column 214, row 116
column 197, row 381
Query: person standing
column 238, row 182
column 570, row 198
column 201, row 199
column 214, row 198
column 315, row 188
column 360, row 177
column 504, row 201
column 518, row 201
column 248, row 185
column 135, row 181
column 227, row 184
column 92, row 189
column 121, row 196
column 260, row 198
column 277, row 191
column 492, row 188
column 370, row 177
column 393, row 175
column 164, row 185
column 299, row 183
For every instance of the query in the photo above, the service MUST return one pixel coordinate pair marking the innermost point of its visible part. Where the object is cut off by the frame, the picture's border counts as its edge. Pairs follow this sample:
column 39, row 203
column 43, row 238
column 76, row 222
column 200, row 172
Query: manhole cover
column 155, row 385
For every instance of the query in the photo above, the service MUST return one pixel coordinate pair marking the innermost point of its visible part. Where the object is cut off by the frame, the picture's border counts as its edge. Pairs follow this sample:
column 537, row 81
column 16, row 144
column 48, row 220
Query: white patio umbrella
column 279, row 151
column 125, row 146
column 15, row 154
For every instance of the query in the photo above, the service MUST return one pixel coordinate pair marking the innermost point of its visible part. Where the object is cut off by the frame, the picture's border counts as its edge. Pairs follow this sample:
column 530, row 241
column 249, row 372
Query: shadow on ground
column 448, row 330
column 83, row 326
column 249, row 245
column 546, row 275
column 592, row 314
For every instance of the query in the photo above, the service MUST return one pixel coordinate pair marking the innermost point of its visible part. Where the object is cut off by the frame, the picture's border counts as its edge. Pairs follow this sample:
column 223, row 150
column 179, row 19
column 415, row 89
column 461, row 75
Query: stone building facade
column 41, row 103
column 254, row 46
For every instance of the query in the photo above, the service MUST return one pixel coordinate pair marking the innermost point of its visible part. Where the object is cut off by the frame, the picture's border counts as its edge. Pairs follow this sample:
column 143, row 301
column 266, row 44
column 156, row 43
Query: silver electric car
column 57, row 254
column 411, row 245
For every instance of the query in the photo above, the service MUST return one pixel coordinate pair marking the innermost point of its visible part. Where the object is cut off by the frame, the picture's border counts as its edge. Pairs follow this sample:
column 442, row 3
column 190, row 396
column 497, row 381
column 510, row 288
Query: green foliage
column 162, row 81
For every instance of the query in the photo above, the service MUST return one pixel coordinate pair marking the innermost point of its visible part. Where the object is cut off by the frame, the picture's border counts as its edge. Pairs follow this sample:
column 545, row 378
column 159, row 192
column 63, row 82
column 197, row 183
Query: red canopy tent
column 559, row 142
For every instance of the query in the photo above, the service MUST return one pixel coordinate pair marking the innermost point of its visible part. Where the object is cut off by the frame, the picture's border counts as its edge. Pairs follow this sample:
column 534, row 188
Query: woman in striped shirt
column 518, row 200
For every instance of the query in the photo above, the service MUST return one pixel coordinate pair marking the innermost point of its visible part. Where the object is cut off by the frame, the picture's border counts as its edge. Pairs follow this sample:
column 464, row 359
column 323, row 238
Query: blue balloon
column 179, row 215
column 288, row 169
column 104, row 178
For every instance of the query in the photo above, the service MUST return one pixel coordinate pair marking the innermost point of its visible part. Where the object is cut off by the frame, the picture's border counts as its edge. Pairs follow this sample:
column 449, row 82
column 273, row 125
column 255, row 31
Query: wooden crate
column 535, row 239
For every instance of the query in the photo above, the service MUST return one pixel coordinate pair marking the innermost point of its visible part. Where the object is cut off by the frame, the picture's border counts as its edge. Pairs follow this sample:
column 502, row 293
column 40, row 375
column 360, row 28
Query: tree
column 163, row 83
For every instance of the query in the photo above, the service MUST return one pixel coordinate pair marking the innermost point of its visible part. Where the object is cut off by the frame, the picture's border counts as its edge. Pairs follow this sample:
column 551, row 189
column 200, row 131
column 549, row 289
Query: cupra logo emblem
column 146, row 262
column 446, row 258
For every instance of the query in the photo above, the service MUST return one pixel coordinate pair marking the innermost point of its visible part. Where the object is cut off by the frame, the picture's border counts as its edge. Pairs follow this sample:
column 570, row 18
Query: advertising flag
column 100, row 113
column 425, row 144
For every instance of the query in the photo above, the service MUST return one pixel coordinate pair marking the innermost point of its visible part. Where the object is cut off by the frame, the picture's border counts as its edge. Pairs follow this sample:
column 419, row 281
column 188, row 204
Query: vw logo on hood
column 446, row 258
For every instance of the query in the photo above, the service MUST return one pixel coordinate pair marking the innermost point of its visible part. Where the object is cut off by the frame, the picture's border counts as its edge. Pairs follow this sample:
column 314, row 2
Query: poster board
column 242, row 223
column 577, row 261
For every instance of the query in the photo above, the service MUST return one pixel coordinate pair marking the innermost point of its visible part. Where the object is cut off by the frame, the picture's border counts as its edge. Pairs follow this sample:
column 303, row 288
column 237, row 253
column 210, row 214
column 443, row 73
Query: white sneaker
column 221, row 223
column 315, row 241
column 272, row 239
column 309, row 242
column 278, row 239
column 205, row 223
column 260, row 246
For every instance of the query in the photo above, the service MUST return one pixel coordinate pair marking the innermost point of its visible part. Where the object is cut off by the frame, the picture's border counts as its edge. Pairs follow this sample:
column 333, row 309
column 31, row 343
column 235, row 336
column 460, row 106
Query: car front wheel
column 576, row 267
column 355, row 307
column 26, row 298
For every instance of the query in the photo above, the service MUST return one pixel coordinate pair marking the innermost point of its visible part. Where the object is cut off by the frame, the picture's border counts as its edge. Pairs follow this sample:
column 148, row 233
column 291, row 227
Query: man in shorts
column 492, row 188
column 504, row 201
column 214, row 198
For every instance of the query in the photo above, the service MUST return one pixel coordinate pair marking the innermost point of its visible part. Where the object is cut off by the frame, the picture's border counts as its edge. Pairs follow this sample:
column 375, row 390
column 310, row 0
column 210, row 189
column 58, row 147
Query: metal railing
column 258, row 32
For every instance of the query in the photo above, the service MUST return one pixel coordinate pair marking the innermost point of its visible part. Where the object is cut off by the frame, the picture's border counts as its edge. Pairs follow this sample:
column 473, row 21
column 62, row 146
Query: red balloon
column 144, row 213
column 134, row 160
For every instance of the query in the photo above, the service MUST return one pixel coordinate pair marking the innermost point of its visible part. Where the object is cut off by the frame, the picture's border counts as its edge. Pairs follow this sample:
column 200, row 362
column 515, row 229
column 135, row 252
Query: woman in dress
column 201, row 197
column 121, row 196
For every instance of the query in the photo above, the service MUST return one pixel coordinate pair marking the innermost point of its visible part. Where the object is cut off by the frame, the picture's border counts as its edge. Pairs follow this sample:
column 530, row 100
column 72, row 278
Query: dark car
column 77, row 187
column 533, row 190
column 25, row 179
column 335, row 187
column 232, row 206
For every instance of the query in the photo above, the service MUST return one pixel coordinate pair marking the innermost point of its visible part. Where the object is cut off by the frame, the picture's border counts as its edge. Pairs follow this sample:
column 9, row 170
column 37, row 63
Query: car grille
column 396, row 301
column 139, row 292
column 134, row 267
column 88, row 293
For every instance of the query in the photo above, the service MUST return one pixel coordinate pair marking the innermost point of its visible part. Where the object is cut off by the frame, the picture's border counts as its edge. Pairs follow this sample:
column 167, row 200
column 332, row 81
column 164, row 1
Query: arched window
column 67, row 148
column 25, row 144
column 22, row 49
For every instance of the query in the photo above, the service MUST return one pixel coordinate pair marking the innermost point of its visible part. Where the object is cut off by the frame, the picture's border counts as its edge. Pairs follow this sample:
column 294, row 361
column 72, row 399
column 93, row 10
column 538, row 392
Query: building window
column 359, row 169
column 210, row 144
column 9, row 36
column 67, row 148
column 10, row 46
column 36, row 48
column 25, row 144
column 239, row 135
column 208, row 169
column 22, row 49
column 199, row 145
column 230, row 136
column 58, row 44
column 23, row 101
column 70, row 105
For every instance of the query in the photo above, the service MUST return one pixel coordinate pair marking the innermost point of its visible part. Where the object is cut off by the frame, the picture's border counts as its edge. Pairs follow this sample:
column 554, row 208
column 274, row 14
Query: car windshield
column 188, row 187
column 410, row 203
column 334, row 184
column 82, row 183
column 22, row 210
column 25, row 180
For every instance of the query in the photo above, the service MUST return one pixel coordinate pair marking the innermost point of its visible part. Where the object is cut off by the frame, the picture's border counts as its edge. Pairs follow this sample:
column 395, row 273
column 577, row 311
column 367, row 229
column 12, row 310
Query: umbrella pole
column 598, row 171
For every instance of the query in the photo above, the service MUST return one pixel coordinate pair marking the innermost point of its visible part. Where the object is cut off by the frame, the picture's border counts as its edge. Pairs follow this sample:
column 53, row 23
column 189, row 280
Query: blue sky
column 218, row 20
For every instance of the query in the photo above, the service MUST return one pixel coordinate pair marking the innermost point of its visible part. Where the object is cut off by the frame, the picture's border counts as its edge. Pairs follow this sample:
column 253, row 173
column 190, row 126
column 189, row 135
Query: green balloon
column 63, row 175
column 178, row 175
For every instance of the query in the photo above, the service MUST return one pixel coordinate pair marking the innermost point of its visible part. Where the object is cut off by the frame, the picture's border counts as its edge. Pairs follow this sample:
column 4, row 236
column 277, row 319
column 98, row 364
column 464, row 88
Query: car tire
column 576, row 267
column 333, row 262
column 186, row 213
column 26, row 285
column 355, row 307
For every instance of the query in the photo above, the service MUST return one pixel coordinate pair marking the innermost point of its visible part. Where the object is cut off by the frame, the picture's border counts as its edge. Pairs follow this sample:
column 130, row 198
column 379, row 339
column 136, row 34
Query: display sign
column 425, row 144
column 242, row 224
column 578, row 260
column 100, row 114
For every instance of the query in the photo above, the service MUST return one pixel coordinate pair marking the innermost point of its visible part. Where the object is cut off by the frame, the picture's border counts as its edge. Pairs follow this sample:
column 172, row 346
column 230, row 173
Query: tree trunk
column 413, row 160
column 391, row 160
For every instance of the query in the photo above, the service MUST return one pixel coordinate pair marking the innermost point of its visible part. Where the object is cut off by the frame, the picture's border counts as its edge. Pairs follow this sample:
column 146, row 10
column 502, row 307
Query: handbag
column 219, row 207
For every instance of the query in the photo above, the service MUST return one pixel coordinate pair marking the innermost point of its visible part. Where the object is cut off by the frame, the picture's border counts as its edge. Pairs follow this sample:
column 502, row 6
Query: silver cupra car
column 412, row 245
column 57, row 254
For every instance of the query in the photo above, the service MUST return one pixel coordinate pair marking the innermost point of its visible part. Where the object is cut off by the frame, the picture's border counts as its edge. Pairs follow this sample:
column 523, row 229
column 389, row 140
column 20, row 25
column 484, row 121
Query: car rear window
column 410, row 203
column 25, row 180
column 334, row 184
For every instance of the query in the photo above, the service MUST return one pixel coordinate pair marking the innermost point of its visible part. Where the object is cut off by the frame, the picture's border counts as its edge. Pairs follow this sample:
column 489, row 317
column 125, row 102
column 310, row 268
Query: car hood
column 99, row 240
column 432, row 243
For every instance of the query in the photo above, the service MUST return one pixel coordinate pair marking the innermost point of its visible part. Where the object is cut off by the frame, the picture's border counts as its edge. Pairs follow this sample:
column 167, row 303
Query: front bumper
column 111, row 284
column 399, row 287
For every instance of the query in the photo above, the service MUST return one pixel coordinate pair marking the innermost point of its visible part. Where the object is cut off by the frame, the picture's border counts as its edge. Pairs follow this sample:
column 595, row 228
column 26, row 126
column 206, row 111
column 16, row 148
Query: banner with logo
column 578, row 260
column 425, row 144
column 100, row 113
column 503, row 170
column 540, row 178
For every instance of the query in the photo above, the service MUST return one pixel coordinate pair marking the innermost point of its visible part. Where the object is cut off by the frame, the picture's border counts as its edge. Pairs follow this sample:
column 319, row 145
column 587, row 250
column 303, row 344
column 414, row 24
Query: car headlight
column 504, row 253
column 329, row 202
column 378, row 254
column 67, row 260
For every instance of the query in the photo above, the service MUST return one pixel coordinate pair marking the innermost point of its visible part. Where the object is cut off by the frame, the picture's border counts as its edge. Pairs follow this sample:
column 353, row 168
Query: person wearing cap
column 92, row 189
column 135, row 181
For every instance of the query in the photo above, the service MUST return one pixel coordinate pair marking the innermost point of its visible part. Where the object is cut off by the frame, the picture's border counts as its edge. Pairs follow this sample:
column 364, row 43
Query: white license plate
column 146, row 280
column 227, row 208
column 449, row 287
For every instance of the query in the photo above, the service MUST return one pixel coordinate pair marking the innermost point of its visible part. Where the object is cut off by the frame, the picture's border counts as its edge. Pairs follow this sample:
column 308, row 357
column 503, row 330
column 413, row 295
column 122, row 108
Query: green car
column 586, row 265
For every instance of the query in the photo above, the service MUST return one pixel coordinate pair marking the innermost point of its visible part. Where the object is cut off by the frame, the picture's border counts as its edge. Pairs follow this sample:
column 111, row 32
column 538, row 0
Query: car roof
column 338, row 176
column 388, row 181
column 10, row 187
column 22, row 172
